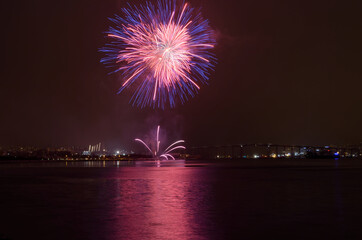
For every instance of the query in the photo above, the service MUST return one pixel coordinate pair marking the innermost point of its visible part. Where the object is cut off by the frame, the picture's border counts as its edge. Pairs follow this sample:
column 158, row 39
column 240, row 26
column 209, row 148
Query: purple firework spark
column 163, row 52
column 166, row 153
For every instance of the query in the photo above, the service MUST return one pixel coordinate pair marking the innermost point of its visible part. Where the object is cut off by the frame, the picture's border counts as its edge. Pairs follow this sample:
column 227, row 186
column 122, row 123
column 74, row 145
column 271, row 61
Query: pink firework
column 166, row 154
column 163, row 50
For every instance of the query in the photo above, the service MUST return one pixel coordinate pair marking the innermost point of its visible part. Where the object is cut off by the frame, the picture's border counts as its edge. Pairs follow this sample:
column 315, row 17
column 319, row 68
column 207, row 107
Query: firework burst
column 166, row 154
column 163, row 52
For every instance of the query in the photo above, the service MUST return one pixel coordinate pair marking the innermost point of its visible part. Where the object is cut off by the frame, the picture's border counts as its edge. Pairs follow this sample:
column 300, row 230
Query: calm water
column 249, row 199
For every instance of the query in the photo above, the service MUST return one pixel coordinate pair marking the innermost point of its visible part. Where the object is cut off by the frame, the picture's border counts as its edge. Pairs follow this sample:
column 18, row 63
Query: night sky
column 288, row 72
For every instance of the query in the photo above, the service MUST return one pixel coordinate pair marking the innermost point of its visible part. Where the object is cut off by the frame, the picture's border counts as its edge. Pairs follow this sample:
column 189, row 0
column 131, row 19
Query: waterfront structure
column 275, row 151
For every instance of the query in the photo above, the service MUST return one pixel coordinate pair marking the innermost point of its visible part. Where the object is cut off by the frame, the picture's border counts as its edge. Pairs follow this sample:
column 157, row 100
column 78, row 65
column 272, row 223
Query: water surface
column 246, row 199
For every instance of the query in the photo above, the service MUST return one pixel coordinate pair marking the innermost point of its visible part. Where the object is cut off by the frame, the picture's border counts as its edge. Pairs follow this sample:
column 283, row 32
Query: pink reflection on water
column 155, row 204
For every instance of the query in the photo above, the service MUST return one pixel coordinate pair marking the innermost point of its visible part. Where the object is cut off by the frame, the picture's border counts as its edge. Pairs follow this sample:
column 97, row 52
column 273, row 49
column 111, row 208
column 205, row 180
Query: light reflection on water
column 161, row 204
column 100, row 163
column 300, row 199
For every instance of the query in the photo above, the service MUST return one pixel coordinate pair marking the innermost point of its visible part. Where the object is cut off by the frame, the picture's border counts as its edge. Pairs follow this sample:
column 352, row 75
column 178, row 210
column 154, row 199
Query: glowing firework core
column 164, row 49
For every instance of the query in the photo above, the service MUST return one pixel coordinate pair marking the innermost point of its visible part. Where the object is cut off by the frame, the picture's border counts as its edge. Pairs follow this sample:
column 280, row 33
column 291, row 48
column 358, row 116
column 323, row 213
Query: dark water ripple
column 260, row 199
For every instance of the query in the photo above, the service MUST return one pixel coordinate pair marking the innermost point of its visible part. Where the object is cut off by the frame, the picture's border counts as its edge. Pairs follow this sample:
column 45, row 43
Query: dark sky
column 287, row 72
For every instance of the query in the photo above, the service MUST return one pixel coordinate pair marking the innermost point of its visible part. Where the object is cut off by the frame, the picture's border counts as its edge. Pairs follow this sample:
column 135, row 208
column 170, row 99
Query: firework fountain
column 162, row 51
column 166, row 154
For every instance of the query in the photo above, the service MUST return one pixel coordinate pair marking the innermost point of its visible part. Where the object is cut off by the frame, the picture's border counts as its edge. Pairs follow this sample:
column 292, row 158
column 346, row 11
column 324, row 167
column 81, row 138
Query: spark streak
column 166, row 153
column 139, row 140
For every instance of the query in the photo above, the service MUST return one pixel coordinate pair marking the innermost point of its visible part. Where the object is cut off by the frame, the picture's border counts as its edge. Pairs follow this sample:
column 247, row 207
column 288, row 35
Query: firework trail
column 166, row 153
column 162, row 50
